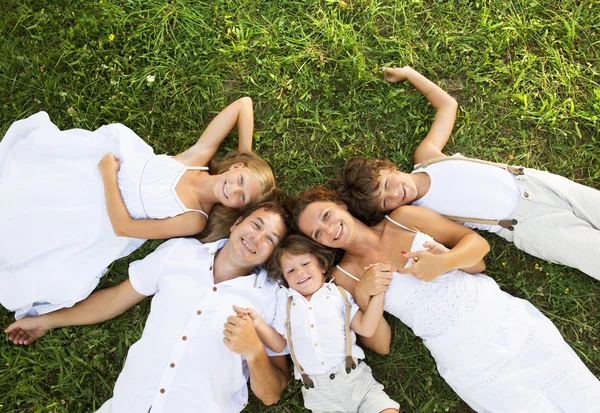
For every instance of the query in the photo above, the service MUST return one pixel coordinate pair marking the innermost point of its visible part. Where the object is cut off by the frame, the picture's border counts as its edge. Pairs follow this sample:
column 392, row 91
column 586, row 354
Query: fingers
column 20, row 337
column 12, row 327
column 14, row 330
column 238, row 310
column 412, row 254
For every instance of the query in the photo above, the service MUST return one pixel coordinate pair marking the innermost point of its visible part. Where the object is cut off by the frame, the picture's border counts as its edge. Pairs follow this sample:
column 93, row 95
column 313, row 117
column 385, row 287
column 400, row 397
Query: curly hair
column 315, row 194
column 297, row 244
column 357, row 184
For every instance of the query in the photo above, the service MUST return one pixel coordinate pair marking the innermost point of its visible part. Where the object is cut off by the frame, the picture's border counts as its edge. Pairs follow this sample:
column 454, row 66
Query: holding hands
column 427, row 265
column 239, row 336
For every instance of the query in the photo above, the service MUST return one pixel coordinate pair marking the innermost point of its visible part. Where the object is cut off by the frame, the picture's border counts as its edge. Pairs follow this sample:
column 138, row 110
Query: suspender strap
column 349, row 361
column 305, row 379
column 504, row 223
column 515, row 170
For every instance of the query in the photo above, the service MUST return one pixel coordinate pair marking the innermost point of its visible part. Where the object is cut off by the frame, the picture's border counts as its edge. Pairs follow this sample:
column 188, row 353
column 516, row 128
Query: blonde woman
column 74, row 201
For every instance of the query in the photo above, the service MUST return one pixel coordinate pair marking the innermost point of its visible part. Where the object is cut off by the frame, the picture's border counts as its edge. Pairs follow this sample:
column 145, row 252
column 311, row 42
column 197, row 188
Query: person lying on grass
column 68, row 221
column 496, row 351
column 185, row 361
column 545, row 215
column 314, row 319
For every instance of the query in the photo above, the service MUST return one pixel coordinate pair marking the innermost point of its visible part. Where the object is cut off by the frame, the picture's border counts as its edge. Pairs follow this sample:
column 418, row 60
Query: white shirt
column 181, row 364
column 469, row 189
column 318, row 333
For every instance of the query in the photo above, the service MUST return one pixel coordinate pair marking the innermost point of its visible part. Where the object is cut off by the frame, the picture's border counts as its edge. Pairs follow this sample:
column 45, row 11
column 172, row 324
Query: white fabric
column 106, row 407
column 318, row 328
column 57, row 239
column 469, row 189
column 206, row 376
column 516, row 361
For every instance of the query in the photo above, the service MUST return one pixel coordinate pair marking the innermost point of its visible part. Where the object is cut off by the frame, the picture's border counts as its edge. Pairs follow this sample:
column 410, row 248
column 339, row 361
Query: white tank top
column 468, row 189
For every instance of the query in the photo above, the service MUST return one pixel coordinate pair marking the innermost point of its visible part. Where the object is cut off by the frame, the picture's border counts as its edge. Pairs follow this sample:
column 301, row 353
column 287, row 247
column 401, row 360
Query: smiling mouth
column 303, row 280
column 403, row 193
column 248, row 246
column 225, row 190
column 339, row 232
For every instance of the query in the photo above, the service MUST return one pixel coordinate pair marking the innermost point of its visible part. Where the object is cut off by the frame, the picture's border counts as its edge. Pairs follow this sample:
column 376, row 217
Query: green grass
column 525, row 74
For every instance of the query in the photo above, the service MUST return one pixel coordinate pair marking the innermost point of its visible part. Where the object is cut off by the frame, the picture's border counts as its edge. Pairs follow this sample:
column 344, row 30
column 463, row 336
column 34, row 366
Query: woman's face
column 238, row 187
column 328, row 223
column 302, row 273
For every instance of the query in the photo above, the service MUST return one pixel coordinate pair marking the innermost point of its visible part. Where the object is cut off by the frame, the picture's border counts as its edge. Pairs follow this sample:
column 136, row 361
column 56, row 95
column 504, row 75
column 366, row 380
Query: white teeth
column 338, row 233
column 303, row 280
column 248, row 246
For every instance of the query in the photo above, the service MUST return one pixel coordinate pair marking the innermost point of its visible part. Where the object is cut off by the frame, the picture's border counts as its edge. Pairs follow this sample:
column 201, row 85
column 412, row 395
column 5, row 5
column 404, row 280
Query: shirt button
column 332, row 376
column 184, row 338
column 293, row 303
column 310, row 308
column 312, row 326
column 162, row 390
column 322, row 363
column 198, row 312
column 328, row 299
column 210, row 268
column 172, row 365
column 526, row 195
column 316, row 344
column 214, row 288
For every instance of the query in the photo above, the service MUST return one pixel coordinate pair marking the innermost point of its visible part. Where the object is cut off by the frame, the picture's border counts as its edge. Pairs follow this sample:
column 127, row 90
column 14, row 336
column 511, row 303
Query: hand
column 27, row 330
column 426, row 267
column 435, row 247
column 375, row 280
column 394, row 74
column 109, row 164
column 240, row 337
column 243, row 313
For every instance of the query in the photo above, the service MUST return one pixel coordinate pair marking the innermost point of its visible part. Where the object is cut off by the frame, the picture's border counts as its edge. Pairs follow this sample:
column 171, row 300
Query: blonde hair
column 253, row 162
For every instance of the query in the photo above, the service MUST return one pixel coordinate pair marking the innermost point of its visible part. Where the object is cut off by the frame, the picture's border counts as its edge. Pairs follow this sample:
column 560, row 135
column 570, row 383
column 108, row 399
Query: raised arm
column 366, row 323
column 186, row 224
column 239, row 112
column 445, row 111
column 467, row 248
column 268, row 375
column 100, row 306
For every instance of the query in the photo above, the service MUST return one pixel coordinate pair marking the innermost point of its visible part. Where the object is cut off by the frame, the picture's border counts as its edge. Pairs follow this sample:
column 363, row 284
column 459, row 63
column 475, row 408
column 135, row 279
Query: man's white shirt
column 318, row 328
column 181, row 363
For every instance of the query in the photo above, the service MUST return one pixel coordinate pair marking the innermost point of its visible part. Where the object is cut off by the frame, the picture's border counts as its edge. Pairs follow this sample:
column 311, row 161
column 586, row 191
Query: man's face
column 253, row 240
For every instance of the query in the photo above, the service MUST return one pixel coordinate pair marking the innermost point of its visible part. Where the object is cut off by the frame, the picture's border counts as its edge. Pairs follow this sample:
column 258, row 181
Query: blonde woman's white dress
column 57, row 239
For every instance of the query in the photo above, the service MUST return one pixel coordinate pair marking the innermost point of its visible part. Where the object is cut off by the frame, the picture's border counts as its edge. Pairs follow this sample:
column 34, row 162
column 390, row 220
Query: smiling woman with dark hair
column 498, row 352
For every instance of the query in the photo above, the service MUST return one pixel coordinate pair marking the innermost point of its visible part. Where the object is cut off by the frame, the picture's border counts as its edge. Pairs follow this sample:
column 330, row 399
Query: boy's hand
column 251, row 313
column 26, row 330
column 394, row 74
column 109, row 164
column 435, row 247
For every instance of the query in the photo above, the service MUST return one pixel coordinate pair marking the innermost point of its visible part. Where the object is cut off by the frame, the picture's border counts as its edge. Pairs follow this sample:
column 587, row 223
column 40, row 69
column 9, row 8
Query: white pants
column 558, row 221
column 106, row 407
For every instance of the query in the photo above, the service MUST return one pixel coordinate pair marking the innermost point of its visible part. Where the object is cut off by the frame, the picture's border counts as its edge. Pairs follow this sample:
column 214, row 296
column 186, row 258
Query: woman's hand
column 109, row 164
column 375, row 280
column 427, row 265
column 394, row 74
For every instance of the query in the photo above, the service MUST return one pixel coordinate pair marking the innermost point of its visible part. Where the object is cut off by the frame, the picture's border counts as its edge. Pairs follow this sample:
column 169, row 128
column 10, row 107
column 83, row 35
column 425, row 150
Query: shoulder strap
column 305, row 379
column 399, row 224
column 349, row 361
column 347, row 273
column 515, row 170
column 197, row 168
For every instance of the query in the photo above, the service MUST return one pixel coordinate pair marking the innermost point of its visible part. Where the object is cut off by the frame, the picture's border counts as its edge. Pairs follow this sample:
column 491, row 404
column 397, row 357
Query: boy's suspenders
column 349, row 361
column 515, row 170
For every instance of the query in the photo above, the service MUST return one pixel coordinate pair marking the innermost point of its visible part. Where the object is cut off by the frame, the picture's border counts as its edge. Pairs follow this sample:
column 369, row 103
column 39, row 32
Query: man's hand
column 240, row 337
column 27, row 330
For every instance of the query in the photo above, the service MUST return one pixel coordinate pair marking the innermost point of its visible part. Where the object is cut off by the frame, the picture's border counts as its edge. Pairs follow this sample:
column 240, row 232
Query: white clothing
column 517, row 361
column 318, row 328
column 469, row 189
column 106, row 407
column 181, row 363
column 57, row 239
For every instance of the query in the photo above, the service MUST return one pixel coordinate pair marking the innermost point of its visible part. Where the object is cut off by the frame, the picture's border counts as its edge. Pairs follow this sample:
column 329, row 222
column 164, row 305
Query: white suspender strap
column 349, row 362
column 515, row 170
column 305, row 379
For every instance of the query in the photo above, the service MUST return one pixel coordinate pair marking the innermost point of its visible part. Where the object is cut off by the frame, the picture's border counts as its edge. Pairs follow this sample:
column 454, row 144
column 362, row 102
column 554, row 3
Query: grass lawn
column 525, row 73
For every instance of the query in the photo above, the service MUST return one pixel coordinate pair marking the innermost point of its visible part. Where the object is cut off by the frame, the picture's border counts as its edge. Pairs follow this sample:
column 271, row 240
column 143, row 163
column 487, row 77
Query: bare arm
column 374, row 281
column 445, row 111
column 186, row 224
column 100, row 306
column 267, row 334
column 467, row 247
column 239, row 112
column 366, row 323
column 268, row 375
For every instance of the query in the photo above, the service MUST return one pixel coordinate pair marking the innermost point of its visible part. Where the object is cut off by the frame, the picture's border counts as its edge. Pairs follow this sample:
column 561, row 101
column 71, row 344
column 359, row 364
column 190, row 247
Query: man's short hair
column 357, row 184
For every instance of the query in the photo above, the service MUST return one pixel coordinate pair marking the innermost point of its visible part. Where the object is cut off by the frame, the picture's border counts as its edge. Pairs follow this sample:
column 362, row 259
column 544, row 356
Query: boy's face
column 395, row 189
column 302, row 273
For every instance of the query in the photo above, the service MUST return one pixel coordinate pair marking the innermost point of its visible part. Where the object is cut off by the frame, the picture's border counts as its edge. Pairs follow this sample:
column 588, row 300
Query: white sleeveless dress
column 56, row 237
column 498, row 352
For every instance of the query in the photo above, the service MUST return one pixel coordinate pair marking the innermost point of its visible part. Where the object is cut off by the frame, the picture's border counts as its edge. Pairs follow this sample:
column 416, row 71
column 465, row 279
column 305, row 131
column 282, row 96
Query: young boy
column 314, row 319
column 540, row 212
